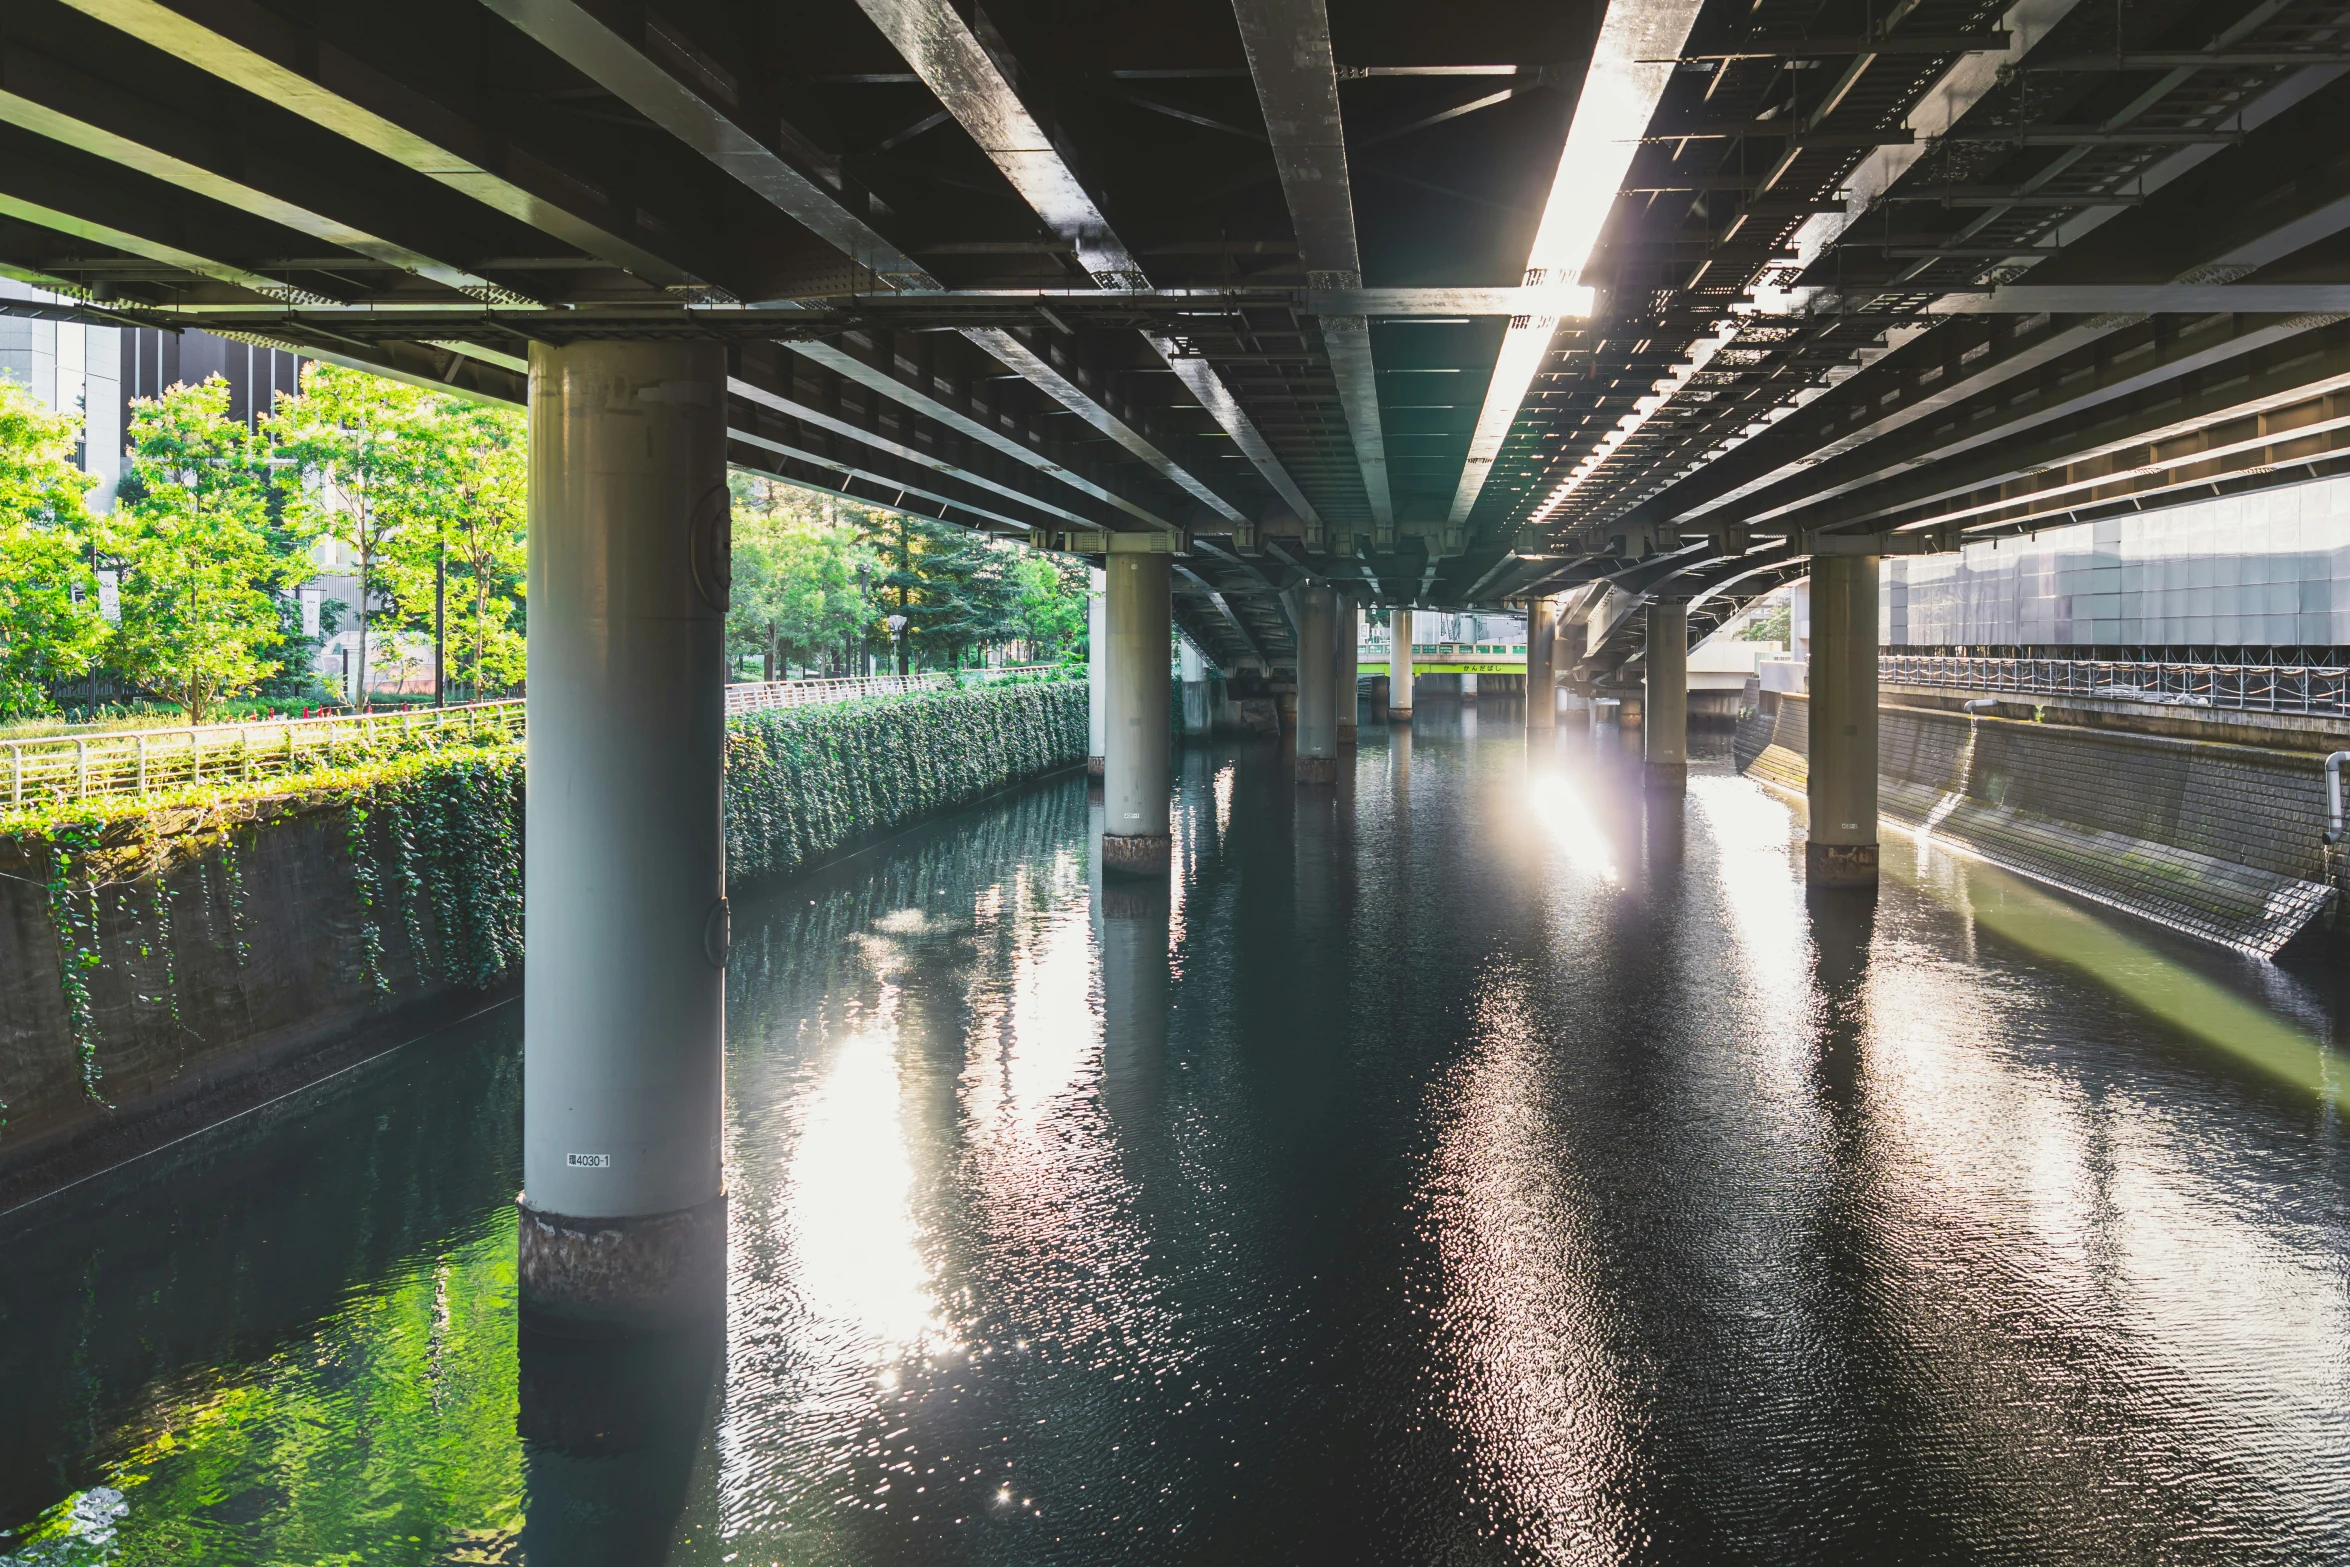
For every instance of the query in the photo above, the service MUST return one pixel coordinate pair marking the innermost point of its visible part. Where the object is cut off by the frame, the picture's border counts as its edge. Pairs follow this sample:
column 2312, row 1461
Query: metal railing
column 763, row 695
column 139, row 761
column 2256, row 688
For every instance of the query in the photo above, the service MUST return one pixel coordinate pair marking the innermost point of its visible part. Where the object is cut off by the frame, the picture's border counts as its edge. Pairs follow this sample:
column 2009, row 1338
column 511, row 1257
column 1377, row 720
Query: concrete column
column 624, row 997
column 1664, row 735
column 1468, row 688
column 1097, row 672
column 1317, row 680
column 1135, row 782
column 1399, row 665
column 1842, row 851
column 1346, row 678
column 1542, row 711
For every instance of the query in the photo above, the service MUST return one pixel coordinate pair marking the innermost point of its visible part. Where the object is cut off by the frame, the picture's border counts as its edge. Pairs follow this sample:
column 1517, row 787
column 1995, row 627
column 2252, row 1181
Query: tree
column 1051, row 609
column 796, row 590
column 955, row 588
column 49, row 625
column 205, row 552
column 365, row 455
column 462, row 502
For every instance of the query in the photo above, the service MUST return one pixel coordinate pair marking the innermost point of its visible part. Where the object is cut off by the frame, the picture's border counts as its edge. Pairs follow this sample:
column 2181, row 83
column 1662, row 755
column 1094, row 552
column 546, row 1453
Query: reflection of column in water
column 1843, row 923
column 1468, row 716
column 610, row 1431
column 1135, row 981
column 1399, row 760
column 1665, row 835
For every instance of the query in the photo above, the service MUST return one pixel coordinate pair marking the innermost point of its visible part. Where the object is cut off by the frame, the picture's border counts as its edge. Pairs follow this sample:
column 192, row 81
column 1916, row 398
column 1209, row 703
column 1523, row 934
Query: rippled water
column 1485, row 1164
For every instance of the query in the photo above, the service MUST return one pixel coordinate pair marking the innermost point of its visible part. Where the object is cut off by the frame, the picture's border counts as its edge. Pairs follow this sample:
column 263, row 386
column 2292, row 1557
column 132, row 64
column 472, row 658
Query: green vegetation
column 421, row 497
column 816, row 581
column 49, row 625
column 423, row 1362
column 1772, row 623
column 205, row 550
column 434, row 832
column 802, row 782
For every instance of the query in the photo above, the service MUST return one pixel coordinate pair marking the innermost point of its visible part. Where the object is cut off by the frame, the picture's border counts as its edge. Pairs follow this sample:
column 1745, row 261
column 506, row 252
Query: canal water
column 1482, row 1163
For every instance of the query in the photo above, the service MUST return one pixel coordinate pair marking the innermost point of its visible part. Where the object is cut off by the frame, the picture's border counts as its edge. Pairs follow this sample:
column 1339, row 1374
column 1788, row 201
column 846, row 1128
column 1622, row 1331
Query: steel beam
column 958, row 69
column 882, row 443
column 1296, row 75
column 847, row 365
column 310, row 78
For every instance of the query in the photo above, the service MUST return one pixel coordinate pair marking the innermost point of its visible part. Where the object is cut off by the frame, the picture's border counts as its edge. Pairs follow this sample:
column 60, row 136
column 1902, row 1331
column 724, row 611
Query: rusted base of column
column 1317, row 769
column 1399, row 715
column 1840, row 864
column 1346, row 736
column 1136, row 854
column 1093, row 767
column 602, row 1278
column 1669, row 777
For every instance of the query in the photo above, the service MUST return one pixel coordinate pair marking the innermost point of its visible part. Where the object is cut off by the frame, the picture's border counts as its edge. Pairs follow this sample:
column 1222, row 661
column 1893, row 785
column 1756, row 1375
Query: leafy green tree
column 204, row 550
column 462, row 502
column 49, row 625
column 363, row 447
column 797, row 589
column 1052, row 601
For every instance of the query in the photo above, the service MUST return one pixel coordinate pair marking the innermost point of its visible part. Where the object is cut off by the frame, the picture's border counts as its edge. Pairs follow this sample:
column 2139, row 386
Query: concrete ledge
column 598, row 1278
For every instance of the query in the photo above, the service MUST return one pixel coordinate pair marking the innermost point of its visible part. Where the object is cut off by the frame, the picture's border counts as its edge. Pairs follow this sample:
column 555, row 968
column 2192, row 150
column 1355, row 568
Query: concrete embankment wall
column 2222, row 841
column 233, row 981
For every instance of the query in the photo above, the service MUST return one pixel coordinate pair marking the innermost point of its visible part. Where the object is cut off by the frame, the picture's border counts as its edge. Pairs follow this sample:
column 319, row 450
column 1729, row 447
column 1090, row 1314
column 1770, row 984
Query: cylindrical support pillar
column 1542, row 710
column 623, row 1220
column 1135, row 781
column 1399, row 665
column 1468, row 686
column 1842, row 851
column 1664, row 734
column 1347, row 679
column 1317, row 695
column 1097, row 673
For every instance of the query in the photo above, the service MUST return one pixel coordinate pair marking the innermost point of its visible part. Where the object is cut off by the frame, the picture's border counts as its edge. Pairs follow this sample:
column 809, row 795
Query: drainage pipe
column 2334, row 795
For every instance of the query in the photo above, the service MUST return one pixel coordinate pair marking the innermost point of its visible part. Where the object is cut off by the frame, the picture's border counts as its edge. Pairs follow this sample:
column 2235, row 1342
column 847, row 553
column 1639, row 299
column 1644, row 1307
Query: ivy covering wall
column 802, row 782
column 434, row 842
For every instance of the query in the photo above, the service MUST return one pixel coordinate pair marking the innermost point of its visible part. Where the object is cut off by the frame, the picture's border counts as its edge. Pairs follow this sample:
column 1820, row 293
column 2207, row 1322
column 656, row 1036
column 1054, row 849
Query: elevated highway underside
column 1453, row 306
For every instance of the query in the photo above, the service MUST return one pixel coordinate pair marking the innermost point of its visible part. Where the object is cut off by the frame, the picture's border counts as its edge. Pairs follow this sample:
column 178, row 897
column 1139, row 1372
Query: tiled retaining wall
column 2222, row 841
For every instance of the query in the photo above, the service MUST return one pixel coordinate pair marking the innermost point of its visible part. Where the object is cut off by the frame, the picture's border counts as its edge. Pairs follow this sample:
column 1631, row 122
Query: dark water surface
column 1482, row 1165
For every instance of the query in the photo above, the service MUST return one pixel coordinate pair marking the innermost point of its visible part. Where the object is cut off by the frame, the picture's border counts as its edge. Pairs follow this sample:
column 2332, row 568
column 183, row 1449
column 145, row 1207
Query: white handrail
column 137, row 761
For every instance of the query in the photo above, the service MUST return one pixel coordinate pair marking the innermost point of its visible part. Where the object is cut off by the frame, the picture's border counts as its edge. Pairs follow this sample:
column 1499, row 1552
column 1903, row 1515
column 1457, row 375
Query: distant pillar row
column 1135, row 777
column 1317, row 683
column 623, row 1215
column 1347, row 677
column 1541, row 657
column 1399, row 665
column 1664, row 735
column 1842, row 851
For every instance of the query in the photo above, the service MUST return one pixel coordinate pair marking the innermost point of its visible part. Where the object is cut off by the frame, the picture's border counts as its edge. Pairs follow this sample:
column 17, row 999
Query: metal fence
column 2259, row 688
column 137, row 761
column 761, row 696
